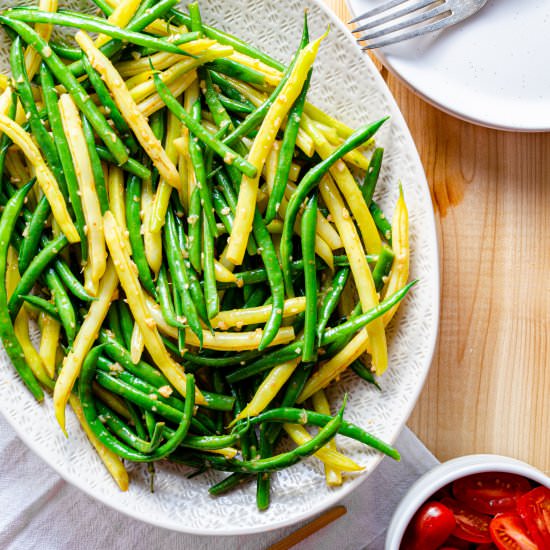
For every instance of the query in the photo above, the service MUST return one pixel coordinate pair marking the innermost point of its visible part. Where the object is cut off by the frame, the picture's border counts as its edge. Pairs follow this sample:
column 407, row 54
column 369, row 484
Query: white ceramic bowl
column 445, row 473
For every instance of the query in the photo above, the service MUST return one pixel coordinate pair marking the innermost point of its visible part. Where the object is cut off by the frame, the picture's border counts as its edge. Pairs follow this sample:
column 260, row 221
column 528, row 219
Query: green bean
column 65, row 77
column 288, row 145
column 180, row 18
column 97, row 169
column 230, row 91
column 309, row 223
column 126, row 323
column 308, row 182
column 383, row 225
column 195, row 14
column 219, row 147
column 121, row 430
column 178, row 273
column 34, row 270
column 41, row 135
column 363, row 372
column 65, row 156
column 331, row 300
column 131, row 166
column 133, row 220
column 66, row 52
column 263, row 483
column 165, row 300
column 353, row 325
column 304, row 417
column 284, row 460
column 222, row 210
column 7, row 332
column 115, row 329
column 90, row 23
column 197, row 160
column 194, row 229
column 236, row 70
column 90, row 412
column 291, row 351
column 63, row 303
column 210, row 290
column 70, row 281
column 382, row 268
column 43, row 305
column 33, row 233
column 229, row 483
column 259, row 275
column 234, row 105
column 220, row 362
column 180, row 313
column 372, row 175
column 231, row 198
column 108, row 102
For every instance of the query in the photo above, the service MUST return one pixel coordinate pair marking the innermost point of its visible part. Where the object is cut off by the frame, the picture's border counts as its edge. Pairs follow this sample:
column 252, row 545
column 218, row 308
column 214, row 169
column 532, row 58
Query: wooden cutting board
column 489, row 385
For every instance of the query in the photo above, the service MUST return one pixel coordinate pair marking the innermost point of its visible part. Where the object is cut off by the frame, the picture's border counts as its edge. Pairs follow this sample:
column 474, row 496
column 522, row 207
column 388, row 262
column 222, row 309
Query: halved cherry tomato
column 509, row 533
column 486, row 546
column 492, row 492
column 456, row 544
column 470, row 525
column 534, row 509
column 429, row 528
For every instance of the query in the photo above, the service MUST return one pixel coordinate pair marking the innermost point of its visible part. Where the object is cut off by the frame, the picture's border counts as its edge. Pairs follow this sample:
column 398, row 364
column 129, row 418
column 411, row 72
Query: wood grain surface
column 489, row 385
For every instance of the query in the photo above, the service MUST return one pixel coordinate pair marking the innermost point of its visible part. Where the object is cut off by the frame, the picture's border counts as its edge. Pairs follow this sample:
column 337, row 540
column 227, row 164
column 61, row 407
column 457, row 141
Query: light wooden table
column 489, row 385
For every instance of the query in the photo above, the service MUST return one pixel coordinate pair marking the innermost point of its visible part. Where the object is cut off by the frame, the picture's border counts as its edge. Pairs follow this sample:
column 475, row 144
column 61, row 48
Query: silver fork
column 411, row 18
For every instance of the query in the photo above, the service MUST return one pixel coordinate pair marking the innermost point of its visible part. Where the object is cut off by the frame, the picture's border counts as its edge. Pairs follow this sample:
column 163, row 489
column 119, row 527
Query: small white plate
column 491, row 69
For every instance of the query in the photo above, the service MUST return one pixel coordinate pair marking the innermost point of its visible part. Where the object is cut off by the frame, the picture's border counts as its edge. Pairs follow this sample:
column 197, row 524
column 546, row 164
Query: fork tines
column 400, row 20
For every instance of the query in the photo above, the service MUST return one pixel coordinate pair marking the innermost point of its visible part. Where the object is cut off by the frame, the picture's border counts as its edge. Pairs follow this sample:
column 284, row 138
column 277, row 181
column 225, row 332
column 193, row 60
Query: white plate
column 491, row 69
column 347, row 85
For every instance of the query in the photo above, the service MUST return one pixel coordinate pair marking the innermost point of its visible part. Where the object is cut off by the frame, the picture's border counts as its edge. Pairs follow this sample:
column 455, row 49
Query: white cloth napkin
column 38, row 510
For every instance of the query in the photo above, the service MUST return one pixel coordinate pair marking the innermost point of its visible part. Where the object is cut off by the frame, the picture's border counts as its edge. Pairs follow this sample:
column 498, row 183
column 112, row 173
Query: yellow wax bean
column 32, row 57
column 222, row 341
column 164, row 189
column 43, row 175
column 136, row 300
column 272, row 76
column 223, row 274
column 97, row 255
column 337, row 460
column 112, row 400
column 349, row 188
column 83, row 342
column 359, row 268
column 177, row 71
column 269, row 388
column 320, row 404
column 154, row 103
column 122, row 15
column 49, row 341
column 136, row 345
column 246, row 203
column 151, row 241
column 129, row 110
column 255, row 315
column 400, row 245
column 332, row 368
column 112, row 462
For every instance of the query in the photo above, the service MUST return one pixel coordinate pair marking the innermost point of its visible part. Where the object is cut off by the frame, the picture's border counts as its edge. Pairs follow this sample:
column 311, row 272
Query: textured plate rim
column 442, row 106
column 350, row 484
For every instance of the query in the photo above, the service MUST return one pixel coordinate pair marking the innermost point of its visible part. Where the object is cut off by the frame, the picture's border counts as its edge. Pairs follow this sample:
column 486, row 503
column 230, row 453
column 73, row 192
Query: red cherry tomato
column 509, row 533
column 534, row 509
column 486, row 546
column 456, row 544
column 490, row 493
column 429, row 528
column 470, row 525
